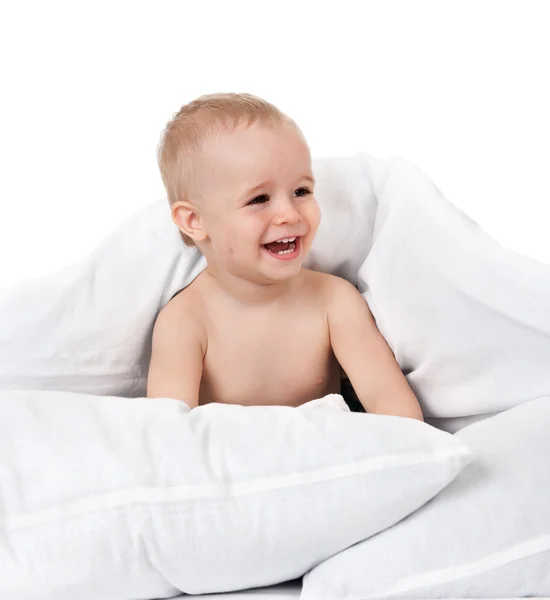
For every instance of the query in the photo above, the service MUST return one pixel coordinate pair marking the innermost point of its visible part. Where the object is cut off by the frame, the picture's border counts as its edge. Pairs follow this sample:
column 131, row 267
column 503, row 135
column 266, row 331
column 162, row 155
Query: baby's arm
column 365, row 356
column 176, row 357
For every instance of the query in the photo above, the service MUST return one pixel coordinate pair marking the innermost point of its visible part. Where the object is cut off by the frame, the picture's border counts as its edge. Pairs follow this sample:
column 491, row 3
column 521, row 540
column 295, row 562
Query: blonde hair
column 183, row 137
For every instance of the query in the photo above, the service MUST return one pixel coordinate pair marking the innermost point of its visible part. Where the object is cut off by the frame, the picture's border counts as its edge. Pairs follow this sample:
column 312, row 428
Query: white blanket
column 468, row 320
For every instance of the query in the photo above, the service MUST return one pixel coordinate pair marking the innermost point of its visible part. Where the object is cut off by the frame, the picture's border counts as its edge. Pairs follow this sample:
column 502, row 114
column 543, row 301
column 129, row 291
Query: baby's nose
column 287, row 213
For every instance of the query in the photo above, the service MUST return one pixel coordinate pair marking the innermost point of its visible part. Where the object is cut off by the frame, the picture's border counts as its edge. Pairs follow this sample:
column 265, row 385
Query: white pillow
column 115, row 498
column 486, row 535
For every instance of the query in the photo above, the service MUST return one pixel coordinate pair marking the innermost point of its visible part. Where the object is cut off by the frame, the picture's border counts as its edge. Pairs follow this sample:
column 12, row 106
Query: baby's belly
column 291, row 389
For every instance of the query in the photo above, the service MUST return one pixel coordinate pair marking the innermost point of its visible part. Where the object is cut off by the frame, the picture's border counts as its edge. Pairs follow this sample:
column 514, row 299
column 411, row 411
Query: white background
column 459, row 88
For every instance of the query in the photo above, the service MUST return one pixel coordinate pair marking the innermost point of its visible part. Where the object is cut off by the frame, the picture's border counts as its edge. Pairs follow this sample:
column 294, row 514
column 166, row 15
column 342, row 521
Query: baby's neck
column 251, row 294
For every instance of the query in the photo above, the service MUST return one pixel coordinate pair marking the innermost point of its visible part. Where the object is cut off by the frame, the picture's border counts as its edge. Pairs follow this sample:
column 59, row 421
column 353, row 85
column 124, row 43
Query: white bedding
column 286, row 591
column 283, row 591
column 290, row 591
column 467, row 320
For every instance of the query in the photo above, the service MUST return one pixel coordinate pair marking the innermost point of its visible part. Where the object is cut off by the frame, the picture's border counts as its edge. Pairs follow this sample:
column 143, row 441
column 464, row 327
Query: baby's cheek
column 315, row 217
column 316, row 210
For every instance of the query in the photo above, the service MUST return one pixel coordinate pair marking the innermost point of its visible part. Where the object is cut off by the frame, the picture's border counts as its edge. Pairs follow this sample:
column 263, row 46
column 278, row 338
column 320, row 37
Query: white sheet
column 291, row 591
column 285, row 591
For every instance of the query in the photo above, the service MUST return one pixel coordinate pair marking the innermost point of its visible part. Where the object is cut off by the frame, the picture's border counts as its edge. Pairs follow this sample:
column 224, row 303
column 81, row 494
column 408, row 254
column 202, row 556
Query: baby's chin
column 280, row 274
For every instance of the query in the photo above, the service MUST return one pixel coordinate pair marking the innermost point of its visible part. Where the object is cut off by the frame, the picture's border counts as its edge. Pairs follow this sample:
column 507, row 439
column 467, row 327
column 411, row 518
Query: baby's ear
column 187, row 218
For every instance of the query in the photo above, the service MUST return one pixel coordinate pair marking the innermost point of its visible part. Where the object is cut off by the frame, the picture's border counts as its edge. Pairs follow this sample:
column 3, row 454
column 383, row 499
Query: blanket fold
column 467, row 319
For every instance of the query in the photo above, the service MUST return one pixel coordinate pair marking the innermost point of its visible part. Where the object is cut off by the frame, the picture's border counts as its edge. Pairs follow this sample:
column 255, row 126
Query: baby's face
column 256, row 189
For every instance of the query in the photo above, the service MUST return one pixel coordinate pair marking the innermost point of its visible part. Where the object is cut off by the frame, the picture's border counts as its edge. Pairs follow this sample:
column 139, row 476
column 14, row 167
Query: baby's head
column 237, row 172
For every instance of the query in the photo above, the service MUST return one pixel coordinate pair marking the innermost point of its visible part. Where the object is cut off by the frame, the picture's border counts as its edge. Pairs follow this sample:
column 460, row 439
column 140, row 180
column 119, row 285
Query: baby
column 255, row 327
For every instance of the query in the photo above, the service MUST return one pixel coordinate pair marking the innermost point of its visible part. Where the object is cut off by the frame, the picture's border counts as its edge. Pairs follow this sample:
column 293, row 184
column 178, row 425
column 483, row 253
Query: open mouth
column 284, row 249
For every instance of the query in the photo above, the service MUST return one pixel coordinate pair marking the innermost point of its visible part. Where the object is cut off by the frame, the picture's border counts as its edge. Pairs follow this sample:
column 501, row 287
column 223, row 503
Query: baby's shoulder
column 327, row 283
column 184, row 305
column 333, row 293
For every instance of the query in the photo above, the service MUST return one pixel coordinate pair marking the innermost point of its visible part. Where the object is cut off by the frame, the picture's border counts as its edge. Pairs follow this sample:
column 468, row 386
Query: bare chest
column 255, row 360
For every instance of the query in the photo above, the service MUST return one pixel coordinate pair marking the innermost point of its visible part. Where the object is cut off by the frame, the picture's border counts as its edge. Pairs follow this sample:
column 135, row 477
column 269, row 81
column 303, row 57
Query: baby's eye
column 303, row 191
column 259, row 199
